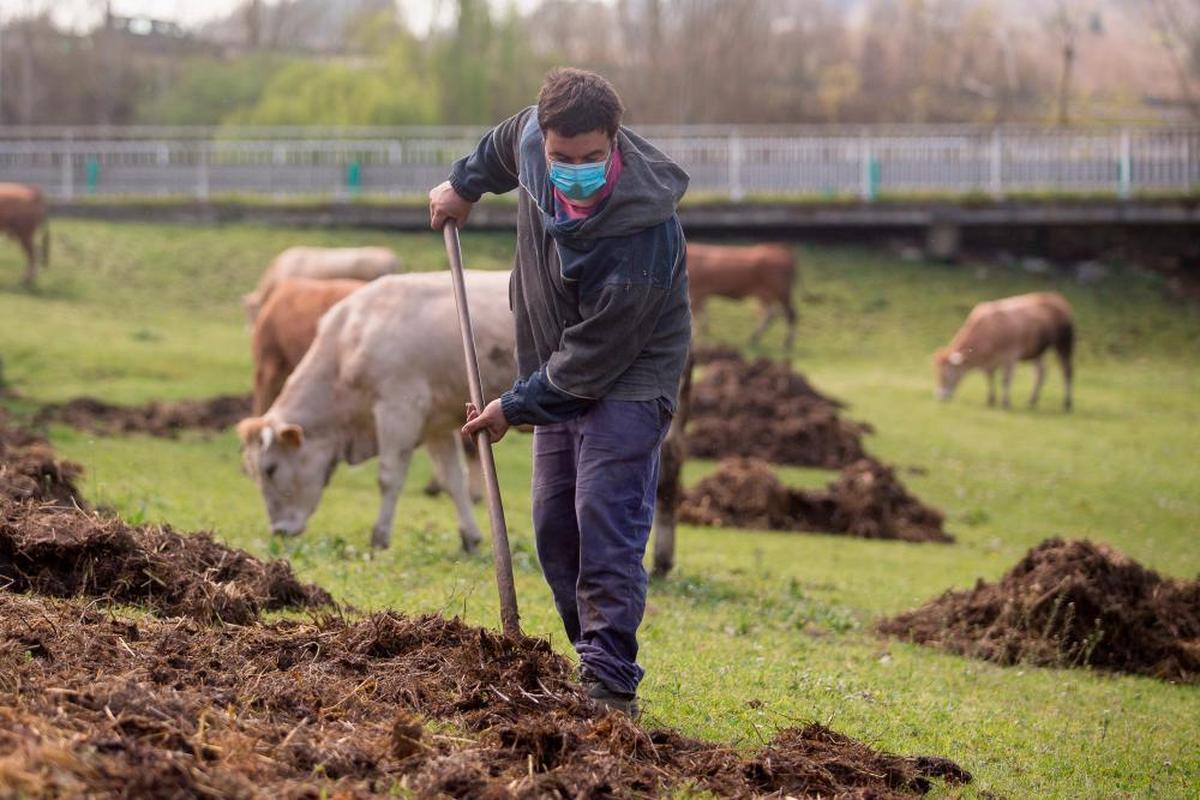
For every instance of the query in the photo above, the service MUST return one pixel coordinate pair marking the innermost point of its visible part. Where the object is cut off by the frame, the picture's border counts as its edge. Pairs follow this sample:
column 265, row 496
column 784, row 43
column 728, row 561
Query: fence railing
column 735, row 163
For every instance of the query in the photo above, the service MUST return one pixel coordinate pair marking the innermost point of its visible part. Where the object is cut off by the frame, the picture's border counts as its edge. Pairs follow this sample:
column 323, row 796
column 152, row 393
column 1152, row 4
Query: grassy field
column 754, row 630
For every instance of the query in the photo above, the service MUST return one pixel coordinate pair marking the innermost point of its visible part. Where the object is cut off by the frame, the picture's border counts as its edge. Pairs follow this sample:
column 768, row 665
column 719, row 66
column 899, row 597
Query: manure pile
column 99, row 703
column 1069, row 603
column 763, row 409
column 867, row 500
column 155, row 418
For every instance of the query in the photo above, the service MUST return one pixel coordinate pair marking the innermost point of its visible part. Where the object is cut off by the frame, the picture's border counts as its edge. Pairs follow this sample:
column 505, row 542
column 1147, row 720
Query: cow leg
column 1006, row 384
column 269, row 378
column 768, row 316
column 700, row 315
column 398, row 430
column 474, row 469
column 991, row 381
column 437, row 481
column 446, row 451
column 1039, row 375
column 666, row 501
column 474, row 474
column 1064, row 360
column 789, row 314
column 670, row 477
column 26, row 240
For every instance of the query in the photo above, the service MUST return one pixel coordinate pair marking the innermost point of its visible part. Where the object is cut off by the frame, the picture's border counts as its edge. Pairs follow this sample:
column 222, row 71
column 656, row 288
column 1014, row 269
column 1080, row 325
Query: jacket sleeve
column 493, row 166
column 591, row 356
column 536, row 401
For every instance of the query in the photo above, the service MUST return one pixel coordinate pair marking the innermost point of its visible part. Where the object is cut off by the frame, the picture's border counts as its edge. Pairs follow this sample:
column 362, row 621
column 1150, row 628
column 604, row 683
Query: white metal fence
column 737, row 163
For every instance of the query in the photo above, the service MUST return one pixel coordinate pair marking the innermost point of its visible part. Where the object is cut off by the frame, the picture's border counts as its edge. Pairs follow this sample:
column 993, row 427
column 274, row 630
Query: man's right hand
column 446, row 204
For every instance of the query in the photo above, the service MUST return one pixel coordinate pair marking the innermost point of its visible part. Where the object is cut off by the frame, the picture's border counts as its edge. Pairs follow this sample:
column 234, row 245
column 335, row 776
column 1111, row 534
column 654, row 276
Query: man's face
column 585, row 148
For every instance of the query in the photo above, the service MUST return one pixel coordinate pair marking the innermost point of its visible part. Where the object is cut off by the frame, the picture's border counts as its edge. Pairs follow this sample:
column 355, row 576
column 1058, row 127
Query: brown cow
column 286, row 327
column 324, row 263
column 1000, row 333
column 766, row 272
column 22, row 212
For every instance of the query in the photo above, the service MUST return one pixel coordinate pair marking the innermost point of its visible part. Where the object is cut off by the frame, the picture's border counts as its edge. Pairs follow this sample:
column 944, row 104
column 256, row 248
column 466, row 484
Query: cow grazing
column 384, row 375
column 1000, row 333
column 320, row 263
column 285, row 327
column 22, row 212
column 766, row 272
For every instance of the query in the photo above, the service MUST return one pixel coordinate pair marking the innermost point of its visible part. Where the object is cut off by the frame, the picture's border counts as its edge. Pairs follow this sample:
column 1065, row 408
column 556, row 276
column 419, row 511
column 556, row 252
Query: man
column 599, row 293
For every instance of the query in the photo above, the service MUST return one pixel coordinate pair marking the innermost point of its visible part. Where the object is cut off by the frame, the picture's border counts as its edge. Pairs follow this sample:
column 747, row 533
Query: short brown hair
column 575, row 101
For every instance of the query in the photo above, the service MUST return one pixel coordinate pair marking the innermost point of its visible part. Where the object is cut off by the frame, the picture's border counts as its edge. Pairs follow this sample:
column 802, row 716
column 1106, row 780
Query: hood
column 647, row 192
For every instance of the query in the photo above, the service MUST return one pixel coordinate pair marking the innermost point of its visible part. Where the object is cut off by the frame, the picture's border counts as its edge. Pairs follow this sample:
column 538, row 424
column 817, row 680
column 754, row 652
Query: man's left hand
column 492, row 420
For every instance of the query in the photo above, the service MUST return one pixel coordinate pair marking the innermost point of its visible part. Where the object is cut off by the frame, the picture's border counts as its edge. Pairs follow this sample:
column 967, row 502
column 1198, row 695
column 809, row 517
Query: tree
column 1064, row 25
column 386, row 84
column 1179, row 34
column 207, row 90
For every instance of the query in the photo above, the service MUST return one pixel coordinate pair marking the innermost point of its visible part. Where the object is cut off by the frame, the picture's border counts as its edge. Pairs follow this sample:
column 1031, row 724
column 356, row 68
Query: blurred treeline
column 356, row 62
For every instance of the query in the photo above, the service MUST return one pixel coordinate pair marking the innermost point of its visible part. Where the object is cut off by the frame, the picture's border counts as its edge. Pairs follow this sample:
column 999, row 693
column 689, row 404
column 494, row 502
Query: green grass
column 134, row 312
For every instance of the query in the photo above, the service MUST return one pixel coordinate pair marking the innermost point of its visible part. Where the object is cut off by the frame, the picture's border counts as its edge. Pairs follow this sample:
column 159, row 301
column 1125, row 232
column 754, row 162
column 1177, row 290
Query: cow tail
column 46, row 246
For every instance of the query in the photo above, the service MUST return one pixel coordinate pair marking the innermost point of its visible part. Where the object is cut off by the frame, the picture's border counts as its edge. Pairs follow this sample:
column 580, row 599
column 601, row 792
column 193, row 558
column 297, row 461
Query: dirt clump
column 867, row 500
column 30, row 471
column 111, row 707
column 764, row 409
column 1069, row 603
column 155, row 418
column 69, row 552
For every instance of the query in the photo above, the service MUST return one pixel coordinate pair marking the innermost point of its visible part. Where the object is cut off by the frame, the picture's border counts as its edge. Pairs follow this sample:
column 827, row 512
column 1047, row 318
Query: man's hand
column 446, row 204
column 492, row 420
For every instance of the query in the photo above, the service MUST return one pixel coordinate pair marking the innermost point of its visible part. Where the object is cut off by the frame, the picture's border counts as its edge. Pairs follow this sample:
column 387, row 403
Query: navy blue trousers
column 594, row 480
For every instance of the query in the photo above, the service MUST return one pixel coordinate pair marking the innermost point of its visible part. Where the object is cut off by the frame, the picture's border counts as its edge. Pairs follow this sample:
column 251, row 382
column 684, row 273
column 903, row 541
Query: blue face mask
column 578, row 181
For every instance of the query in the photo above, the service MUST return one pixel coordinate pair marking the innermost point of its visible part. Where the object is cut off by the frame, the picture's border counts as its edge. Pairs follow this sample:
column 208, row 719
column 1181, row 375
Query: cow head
column 291, row 470
column 950, row 365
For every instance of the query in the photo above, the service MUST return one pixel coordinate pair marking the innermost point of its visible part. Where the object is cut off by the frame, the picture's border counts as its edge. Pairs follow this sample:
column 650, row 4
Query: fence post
column 354, row 176
column 92, row 174
column 278, row 160
column 996, row 182
column 1125, row 174
column 1191, row 162
column 736, row 192
column 395, row 159
column 202, row 170
column 871, row 172
column 68, row 167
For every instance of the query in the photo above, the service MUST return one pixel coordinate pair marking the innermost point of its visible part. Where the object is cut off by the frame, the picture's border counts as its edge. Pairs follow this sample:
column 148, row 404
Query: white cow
column 384, row 375
column 320, row 263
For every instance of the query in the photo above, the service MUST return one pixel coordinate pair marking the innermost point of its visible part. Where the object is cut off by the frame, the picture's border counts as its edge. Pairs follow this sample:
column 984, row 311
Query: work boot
column 607, row 699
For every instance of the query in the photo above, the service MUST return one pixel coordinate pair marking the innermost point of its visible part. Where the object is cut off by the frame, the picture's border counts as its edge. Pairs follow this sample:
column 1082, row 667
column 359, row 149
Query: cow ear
column 250, row 428
column 956, row 358
column 291, row 435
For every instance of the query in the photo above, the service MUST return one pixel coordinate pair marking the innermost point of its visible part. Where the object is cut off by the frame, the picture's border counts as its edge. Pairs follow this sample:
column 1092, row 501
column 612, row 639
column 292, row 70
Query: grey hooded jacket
column 601, row 303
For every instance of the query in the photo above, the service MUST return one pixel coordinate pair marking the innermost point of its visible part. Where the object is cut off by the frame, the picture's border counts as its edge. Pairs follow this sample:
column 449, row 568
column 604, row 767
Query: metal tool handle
column 501, row 555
